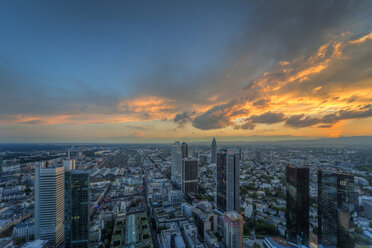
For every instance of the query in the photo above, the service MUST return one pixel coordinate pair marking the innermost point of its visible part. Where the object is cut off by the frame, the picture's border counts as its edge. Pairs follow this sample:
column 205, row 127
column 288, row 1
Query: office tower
column 176, row 157
column 185, row 150
column 228, row 172
column 233, row 229
column 336, row 205
column 69, row 164
column 297, row 210
column 77, row 202
column 1, row 167
column 49, row 204
column 190, row 176
column 213, row 151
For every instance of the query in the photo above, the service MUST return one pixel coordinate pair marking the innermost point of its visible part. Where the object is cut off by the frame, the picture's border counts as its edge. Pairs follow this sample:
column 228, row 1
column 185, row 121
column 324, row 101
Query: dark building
column 184, row 150
column 228, row 172
column 297, row 210
column 213, row 151
column 77, row 202
column 336, row 205
column 190, row 176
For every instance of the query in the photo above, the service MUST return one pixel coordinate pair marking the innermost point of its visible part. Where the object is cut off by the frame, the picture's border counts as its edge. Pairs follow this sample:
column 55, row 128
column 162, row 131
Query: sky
column 158, row 71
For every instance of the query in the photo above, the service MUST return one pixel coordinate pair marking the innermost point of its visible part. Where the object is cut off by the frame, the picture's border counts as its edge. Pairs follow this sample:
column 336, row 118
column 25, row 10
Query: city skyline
column 156, row 72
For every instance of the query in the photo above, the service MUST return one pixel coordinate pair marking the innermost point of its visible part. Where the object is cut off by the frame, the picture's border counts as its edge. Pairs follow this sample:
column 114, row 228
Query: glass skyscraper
column 297, row 210
column 213, row 150
column 228, row 172
column 77, row 202
column 336, row 205
column 190, row 175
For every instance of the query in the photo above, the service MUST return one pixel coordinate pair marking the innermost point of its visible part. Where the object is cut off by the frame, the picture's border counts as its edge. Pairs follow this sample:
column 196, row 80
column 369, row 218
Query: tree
column 256, row 245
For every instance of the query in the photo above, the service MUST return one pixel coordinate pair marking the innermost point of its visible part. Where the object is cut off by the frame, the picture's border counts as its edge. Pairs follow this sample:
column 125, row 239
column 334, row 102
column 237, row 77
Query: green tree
column 256, row 245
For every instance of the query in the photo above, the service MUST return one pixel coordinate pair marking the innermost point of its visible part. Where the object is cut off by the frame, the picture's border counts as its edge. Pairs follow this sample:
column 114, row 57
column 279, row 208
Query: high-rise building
column 77, row 202
column 228, row 172
column 185, row 150
column 233, row 229
column 336, row 206
column 69, row 164
column 190, row 173
column 49, row 204
column 297, row 210
column 213, row 151
column 176, row 157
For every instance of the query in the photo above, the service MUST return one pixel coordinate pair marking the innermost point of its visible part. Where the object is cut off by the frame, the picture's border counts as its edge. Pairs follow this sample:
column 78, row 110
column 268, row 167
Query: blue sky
column 160, row 70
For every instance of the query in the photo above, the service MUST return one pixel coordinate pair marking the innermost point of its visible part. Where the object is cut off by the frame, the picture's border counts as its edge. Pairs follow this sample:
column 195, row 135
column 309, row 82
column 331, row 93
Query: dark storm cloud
column 182, row 118
column 217, row 117
column 267, row 118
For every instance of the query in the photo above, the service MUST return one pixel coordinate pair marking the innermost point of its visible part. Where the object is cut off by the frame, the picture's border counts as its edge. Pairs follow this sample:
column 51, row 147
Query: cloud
column 182, row 118
column 262, row 103
column 328, row 120
column 220, row 116
column 267, row 118
column 301, row 120
column 361, row 39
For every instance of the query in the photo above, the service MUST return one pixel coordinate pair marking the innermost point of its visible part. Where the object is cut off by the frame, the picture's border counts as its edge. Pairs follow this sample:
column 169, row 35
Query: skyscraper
column 185, row 150
column 49, row 203
column 77, row 202
column 190, row 176
column 228, row 172
column 336, row 205
column 176, row 157
column 297, row 210
column 233, row 229
column 213, row 151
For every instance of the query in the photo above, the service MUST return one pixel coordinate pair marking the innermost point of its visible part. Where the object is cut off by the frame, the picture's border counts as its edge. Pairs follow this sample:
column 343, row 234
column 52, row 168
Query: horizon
column 136, row 72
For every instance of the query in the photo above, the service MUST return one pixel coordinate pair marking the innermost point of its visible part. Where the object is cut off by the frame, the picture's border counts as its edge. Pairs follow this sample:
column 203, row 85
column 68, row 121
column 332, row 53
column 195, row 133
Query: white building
column 233, row 229
column 49, row 203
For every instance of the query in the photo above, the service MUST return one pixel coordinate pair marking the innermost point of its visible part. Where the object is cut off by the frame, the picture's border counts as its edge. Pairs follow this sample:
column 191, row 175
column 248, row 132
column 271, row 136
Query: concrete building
column 171, row 237
column 49, row 203
column 233, row 229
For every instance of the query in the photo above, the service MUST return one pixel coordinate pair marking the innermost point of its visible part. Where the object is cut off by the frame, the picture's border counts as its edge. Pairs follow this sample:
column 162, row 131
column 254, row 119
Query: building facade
column 228, row 173
column 213, row 151
column 185, row 150
column 77, row 209
column 297, row 199
column 49, row 204
column 233, row 229
column 176, row 157
column 190, row 173
column 336, row 206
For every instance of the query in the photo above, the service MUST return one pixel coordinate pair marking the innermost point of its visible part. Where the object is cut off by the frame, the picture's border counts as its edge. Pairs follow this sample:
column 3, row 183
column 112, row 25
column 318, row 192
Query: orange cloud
column 362, row 39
